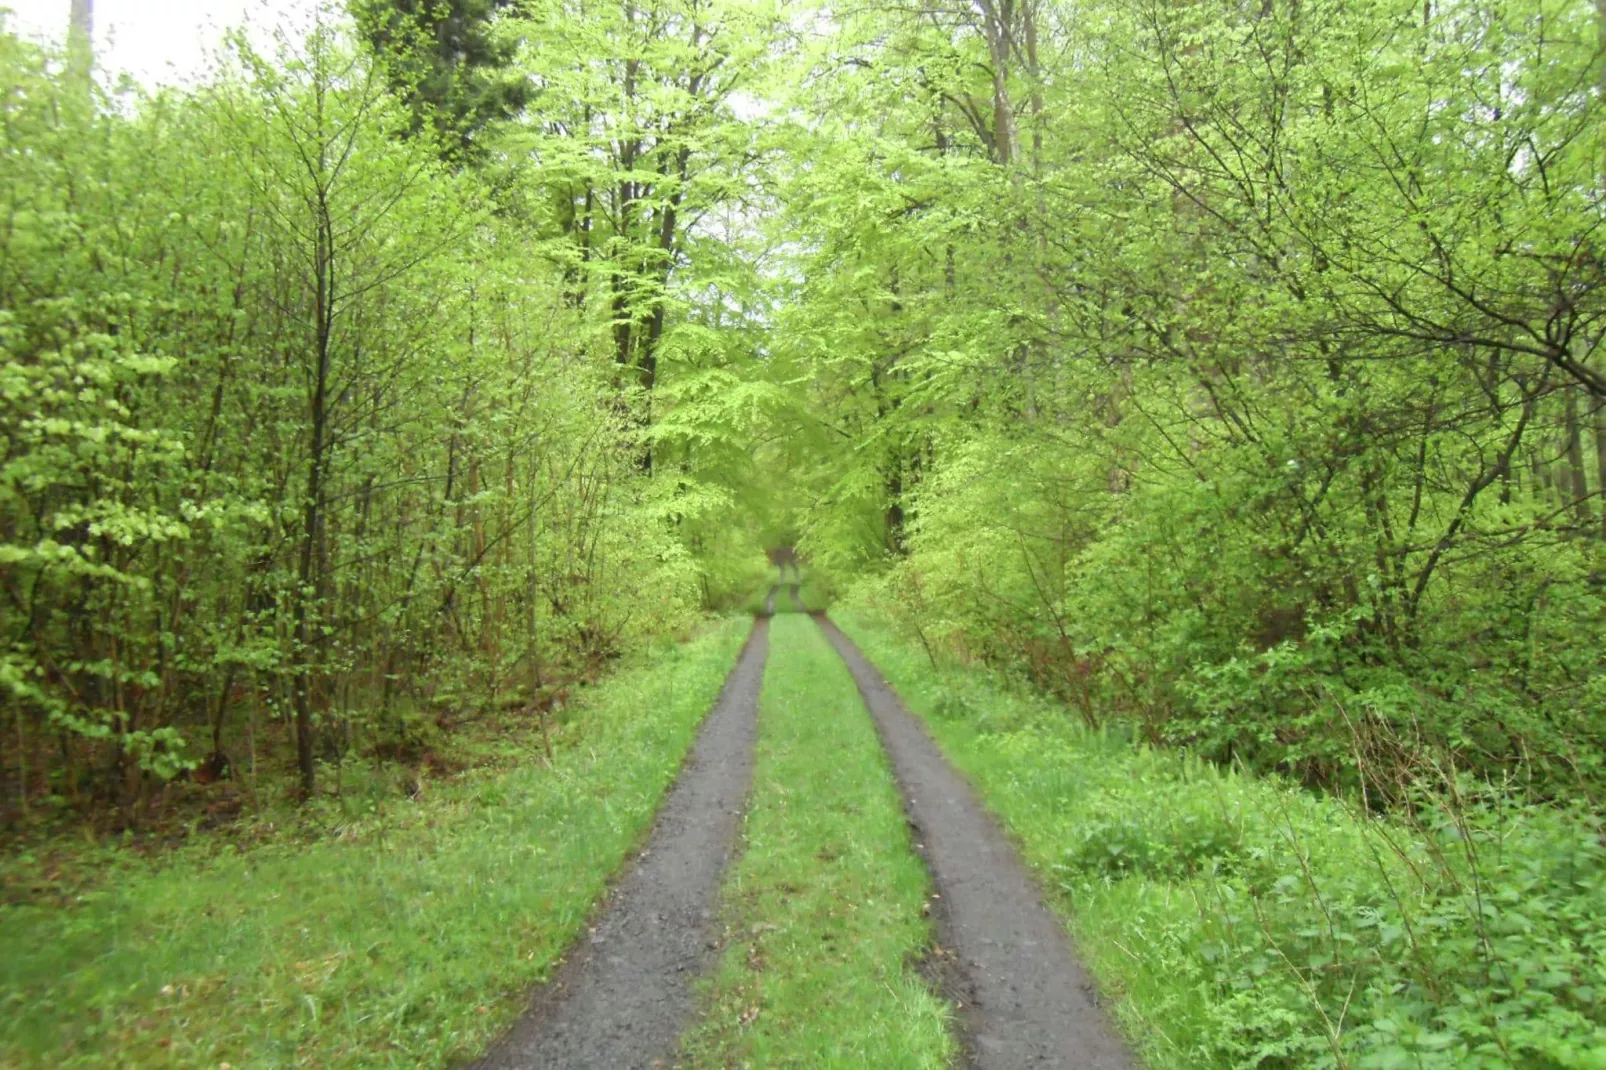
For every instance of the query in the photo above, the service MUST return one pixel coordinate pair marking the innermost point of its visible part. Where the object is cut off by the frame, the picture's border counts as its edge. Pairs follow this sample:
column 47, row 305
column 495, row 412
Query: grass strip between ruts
column 824, row 912
column 410, row 941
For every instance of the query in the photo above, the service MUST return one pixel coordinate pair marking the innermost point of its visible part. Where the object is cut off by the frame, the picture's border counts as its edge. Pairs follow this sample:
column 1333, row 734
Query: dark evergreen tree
column 447, row 60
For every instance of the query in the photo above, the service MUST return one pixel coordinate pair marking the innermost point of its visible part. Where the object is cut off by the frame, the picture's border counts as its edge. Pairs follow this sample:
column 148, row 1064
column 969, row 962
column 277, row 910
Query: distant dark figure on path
column 781, row 557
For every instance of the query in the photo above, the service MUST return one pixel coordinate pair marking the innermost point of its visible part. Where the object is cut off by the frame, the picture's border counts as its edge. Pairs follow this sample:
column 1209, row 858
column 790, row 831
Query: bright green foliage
column 825, row 912
column 410, row 938
column 1245, row 922
column 640, row 164
column 298, row 430
column 1229, row 371
column 1235, row 377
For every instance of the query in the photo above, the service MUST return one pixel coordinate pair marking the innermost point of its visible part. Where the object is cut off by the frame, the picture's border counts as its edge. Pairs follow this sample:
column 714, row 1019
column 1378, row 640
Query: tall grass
column 408, row 937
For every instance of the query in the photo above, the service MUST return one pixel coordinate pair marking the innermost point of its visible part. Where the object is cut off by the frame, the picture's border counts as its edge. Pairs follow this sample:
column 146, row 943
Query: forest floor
column 409, row 932
column 1024, row 998
column 625, row 993
column 824, row 914
column 907, row 886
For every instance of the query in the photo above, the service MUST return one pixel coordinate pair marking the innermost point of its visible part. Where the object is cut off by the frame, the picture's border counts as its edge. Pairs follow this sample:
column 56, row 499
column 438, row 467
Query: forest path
column 625, row 993
column 1024, row 999
column 794, row 591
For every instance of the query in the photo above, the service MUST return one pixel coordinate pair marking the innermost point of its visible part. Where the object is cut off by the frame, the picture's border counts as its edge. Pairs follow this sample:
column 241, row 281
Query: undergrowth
column 406, row 935
column 1241, row 921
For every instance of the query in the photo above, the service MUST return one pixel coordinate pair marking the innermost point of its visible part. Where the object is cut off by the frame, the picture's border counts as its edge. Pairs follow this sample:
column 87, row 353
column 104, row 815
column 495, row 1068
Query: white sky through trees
column 157, row 41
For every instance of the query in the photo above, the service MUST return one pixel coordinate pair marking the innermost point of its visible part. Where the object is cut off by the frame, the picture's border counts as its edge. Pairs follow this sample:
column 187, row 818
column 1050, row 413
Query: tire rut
column 1024, row 1000
column 624, row 994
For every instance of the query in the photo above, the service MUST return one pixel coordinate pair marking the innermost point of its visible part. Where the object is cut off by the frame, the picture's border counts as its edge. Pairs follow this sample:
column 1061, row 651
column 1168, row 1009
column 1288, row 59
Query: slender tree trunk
column 1035, row 101
column 1600, row 405
column 894, row 517
column 997, row 28
column 310, row 565
column 1600, row 460
column 81, row 41
column 668, row 243
column 1577, row 480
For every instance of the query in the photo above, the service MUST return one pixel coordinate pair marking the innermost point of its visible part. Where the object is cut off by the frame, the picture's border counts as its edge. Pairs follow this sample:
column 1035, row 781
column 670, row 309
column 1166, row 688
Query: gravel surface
column 1002, row 954
column 624, row 995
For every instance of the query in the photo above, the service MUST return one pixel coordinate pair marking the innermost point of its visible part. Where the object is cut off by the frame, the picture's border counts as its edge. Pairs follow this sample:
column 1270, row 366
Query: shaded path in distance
column 794, row 591
column 1025, row 1001
column 625, row 993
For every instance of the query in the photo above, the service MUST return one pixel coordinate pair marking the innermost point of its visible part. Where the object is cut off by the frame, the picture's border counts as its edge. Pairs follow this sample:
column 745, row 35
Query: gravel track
column 624, row 994
column 1024, row 999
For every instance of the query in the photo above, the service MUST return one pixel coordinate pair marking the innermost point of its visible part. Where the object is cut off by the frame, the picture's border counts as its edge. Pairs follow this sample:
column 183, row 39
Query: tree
column 636, row 143
column 1253, row 394
column 453, row 64
column 311, row 438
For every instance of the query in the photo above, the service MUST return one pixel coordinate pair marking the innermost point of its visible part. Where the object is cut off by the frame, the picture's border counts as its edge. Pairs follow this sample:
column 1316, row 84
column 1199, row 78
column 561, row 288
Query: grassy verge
column 1240, row 921
column 814, row 595
column 408, row 938
column 825, row 909
column 756, row 601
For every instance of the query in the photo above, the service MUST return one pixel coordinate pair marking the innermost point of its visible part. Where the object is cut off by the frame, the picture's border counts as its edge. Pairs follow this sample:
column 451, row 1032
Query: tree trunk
column 1577, row 480
column 310, row 570
column 81, row 41
column 997, row 20
column 1600, row 460
column 1600, row 405
column 1035, row 101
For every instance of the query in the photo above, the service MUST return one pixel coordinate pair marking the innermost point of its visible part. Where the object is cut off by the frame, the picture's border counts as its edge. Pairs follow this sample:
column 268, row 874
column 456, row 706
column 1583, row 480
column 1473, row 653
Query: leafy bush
column 1167, row 833
column 238, row 491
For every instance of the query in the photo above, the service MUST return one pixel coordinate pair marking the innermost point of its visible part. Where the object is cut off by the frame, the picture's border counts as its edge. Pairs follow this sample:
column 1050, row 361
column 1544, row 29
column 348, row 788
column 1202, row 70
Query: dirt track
column 1025, row 1000
column 625, row 993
